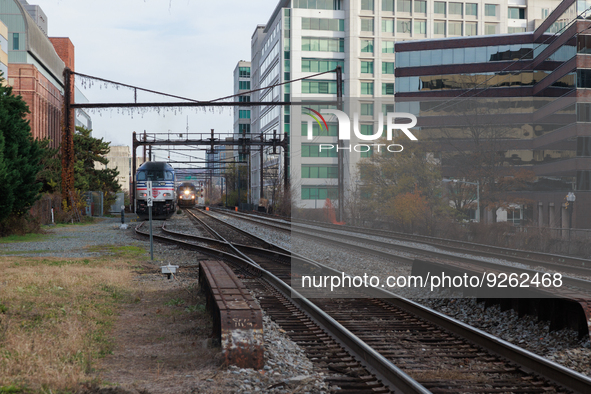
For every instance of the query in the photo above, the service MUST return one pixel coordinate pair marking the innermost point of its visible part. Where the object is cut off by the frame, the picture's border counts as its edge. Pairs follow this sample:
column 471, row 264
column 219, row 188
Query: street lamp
column 477, row 183
column 570, row 198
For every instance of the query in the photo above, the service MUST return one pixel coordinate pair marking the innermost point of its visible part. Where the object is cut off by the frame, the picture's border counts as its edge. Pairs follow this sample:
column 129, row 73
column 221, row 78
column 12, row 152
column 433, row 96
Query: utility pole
column 261, row 194
column 341, row 152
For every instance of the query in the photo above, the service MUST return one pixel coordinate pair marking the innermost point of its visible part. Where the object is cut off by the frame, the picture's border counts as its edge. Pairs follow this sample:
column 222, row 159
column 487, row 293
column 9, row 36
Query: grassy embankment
column 56, row 315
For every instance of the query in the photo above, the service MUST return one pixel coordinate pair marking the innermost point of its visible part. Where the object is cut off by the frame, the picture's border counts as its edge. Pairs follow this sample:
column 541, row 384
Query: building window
column 472, row 9
column 15, row 42
column 321, row 65
column 512, row 30
column 367, row 5
column 387, row 108
column 313, row 150
column 403, row 26
column 471, row 28
column 244, row 99
column 584, row 78
column 490, row 9
column 420, row 6
column 366, row 109
column 439, row 27
column 366, row 129
column 387, row 89
column 320, row 132
column 323, row 24
column 455, row 28
column 367, row 67
column 439, row 7
column 516, row 13
column 244, row 128
column 323, row 44
column 387, row 67
column 490, row 28
column 387, row 46
column 367, row 88
column 244, row 114
column 456, row 9
column 403, row 6
column 545, row 12
column 420, row 27
column 367, row 24
column 244, row 72
column 244, row 85
column 318, row 4
column 320, row 171
column 367, row 46
column 387, row 5
column 319, row 193
column 388, row 25
column 315, row 86
column 366, row 154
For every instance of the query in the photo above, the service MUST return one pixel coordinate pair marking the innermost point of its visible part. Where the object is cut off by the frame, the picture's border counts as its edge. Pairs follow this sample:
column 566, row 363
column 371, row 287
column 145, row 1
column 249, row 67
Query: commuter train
column 163, row 177
column 187, row 195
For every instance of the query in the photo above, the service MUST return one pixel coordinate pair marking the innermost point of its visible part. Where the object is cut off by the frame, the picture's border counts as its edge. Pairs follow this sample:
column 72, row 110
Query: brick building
column 35, row 66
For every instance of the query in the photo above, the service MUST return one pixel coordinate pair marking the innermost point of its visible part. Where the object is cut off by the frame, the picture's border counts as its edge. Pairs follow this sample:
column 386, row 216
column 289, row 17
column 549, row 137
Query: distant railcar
column 187, row 195
column 163, row 177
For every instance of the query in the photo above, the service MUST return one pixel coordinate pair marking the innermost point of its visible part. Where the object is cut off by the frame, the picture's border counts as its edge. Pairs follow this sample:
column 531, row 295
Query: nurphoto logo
column 344, row 132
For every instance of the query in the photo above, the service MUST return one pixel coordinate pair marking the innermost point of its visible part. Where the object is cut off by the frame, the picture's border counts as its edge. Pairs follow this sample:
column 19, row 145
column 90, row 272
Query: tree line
column 30, row 167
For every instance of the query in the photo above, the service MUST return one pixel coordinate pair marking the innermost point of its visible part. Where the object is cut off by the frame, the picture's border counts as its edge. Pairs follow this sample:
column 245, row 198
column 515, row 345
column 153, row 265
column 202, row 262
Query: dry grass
column 55, row 317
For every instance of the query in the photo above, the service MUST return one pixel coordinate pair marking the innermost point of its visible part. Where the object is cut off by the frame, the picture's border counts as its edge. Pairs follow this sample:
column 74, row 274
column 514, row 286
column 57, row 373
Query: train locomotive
column 163, row 177
column 187, row 195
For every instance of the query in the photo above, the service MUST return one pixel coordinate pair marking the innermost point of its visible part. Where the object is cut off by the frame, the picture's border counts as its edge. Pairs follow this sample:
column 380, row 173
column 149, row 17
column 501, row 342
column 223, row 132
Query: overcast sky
column 187, row 48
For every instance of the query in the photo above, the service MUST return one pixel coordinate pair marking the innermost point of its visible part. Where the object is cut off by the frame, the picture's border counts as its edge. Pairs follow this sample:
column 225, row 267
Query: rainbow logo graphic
column 317, row 120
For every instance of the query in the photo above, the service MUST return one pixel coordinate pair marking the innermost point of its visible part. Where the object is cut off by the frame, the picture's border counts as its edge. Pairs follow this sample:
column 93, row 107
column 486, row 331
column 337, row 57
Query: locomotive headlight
column 186, row 192
column 193, row 197
column 181, row 196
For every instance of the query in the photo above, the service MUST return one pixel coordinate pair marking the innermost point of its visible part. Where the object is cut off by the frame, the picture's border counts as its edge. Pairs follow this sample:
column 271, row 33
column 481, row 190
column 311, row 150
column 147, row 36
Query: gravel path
column 287, row 369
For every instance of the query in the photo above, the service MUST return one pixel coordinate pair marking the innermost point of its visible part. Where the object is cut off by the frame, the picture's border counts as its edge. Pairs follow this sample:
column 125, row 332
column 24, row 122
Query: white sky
column 187, row 48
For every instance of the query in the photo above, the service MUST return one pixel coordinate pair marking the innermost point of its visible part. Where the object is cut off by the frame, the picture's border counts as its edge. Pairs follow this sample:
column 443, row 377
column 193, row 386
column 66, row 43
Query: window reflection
column 493, row 53
column 476, row 81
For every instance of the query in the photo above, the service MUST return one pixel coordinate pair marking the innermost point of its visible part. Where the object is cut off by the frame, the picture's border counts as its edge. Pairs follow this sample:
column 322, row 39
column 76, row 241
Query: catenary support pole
column 341, row 152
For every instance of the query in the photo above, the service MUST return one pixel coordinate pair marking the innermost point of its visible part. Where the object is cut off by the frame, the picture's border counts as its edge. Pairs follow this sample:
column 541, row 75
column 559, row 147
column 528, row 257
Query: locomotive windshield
column 155, row 176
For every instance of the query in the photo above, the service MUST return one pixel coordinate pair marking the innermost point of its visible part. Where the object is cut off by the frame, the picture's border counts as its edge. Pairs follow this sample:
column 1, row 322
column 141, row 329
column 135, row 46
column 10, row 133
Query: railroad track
column 567, row 305
column 422, row 343
column 519, row 256
column 391, row 251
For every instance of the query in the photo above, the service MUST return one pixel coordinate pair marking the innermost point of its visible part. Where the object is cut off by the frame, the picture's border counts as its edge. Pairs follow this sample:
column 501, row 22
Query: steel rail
column 306, row 232
column 519, row 256
column 527, row 360
column 385, row 370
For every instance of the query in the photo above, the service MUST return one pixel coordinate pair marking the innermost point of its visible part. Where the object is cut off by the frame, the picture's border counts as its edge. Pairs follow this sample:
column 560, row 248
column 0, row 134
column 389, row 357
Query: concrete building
column 241, row 85
column 303, row 38
column 120, row 158
column 527, row 99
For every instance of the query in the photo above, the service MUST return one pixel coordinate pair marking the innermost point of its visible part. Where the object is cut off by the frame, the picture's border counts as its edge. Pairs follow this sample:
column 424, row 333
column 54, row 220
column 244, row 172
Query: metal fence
column 47, row 208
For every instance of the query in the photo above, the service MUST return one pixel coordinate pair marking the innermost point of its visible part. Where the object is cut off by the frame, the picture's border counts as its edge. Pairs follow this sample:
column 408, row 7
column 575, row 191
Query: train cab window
column 155, row 176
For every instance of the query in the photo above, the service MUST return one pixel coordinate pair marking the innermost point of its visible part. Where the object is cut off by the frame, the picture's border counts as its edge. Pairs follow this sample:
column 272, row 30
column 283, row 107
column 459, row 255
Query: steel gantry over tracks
column 244, row 142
